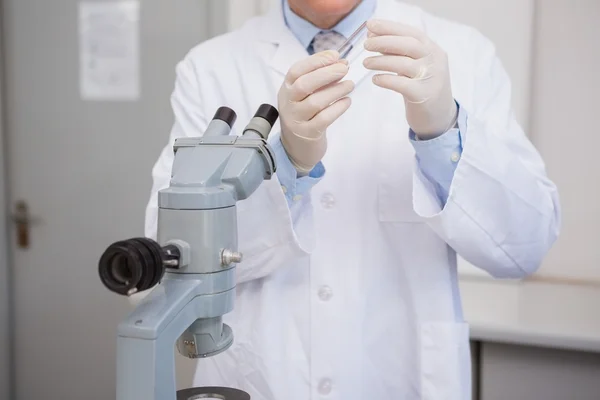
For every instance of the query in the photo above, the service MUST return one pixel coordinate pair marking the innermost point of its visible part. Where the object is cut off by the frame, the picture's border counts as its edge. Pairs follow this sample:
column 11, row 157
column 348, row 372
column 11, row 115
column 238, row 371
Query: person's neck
column 320, row 21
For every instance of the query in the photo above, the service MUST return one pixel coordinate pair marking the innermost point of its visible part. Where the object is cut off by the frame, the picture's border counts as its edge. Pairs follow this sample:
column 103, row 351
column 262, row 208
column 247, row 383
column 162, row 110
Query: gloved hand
column 419, row 72
column 310, row 100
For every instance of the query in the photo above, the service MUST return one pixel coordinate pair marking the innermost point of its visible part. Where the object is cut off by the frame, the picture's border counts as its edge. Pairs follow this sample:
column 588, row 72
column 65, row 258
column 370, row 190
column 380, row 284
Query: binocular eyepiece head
column 138, row 264
column 261, row 123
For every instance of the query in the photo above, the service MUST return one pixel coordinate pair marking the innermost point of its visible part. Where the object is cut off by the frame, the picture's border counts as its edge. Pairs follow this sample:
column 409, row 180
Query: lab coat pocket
column 445, row 360
column 395, row 180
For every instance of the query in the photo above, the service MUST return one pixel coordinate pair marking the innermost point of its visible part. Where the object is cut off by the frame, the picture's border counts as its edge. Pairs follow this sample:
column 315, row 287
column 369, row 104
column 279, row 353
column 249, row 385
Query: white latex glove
column 310, row 100
column 419, row 72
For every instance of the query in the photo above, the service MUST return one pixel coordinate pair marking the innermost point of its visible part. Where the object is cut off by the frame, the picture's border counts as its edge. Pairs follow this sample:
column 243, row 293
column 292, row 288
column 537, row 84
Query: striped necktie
column 330, row 40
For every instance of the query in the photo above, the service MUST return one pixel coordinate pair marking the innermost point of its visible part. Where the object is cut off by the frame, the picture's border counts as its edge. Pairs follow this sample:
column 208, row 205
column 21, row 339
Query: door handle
column 23, row 221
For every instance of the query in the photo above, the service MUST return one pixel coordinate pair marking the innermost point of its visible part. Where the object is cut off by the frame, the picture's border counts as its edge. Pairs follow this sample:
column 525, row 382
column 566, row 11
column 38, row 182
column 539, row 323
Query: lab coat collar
column 290, row 50
column 275, row 31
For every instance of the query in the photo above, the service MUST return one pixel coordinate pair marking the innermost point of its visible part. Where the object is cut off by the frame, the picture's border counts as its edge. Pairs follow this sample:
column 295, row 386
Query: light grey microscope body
column 194, row 259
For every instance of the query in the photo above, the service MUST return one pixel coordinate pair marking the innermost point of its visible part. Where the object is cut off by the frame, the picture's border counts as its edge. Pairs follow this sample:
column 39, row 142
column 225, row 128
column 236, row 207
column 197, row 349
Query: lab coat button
column 325, row 293
column 325, row 386
column 327, row 201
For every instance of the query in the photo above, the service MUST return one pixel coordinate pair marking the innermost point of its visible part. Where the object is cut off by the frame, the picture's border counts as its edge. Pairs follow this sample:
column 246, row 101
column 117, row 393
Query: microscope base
column 212, row 393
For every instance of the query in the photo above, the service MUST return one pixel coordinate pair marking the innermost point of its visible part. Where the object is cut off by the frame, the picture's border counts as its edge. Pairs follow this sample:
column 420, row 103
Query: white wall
column 4, row 284
column 566, row 95
column 4, row 275
column 241, row 10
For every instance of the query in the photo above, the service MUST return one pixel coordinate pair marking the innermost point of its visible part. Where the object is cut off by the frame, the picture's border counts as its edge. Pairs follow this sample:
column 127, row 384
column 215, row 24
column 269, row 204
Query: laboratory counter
column 533, row 340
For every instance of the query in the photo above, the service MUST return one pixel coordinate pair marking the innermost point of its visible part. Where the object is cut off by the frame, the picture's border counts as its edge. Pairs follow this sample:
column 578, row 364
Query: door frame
column 6, row 309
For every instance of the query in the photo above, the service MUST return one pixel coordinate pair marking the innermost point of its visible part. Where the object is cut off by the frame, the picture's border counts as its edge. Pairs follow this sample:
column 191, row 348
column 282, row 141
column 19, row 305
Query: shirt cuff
column 438, row 157
column 293, row 187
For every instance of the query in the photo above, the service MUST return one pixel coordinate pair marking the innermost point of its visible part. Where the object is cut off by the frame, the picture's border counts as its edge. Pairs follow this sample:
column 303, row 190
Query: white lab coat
column 351, row 293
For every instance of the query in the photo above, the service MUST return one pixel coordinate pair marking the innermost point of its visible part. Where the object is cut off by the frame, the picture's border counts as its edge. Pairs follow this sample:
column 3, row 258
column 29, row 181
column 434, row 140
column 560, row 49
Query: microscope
column 192, row 262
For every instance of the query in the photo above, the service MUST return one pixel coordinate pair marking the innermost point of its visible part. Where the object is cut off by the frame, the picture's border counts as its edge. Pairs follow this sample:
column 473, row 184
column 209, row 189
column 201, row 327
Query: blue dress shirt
column 436, row 157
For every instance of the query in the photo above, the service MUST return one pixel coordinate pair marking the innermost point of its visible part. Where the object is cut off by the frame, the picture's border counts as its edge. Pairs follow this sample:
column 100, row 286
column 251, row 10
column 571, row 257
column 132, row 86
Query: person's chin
column 333, row 7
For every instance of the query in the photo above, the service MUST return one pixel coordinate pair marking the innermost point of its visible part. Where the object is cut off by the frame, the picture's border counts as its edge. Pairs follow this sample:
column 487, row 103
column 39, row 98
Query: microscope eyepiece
column 227, row 115
column 261, row 124
column 267, row 112
column 131, row 266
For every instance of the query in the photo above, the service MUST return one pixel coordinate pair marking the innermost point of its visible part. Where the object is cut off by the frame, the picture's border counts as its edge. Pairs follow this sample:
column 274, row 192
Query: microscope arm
column 146, row 338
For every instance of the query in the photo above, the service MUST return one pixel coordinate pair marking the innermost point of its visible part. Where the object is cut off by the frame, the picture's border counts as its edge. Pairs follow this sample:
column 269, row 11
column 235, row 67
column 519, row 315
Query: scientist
column 390, row 163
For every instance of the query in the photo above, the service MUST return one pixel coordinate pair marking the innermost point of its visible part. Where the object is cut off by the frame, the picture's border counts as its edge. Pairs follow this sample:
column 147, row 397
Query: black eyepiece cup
column 268, row 112
column 226, row 114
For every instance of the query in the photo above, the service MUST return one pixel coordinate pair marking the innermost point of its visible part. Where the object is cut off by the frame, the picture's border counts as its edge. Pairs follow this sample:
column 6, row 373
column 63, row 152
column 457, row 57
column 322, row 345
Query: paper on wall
column 109, row 50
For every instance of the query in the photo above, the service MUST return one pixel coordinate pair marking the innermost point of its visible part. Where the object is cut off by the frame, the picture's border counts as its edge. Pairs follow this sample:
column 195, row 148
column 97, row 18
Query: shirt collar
column 306, row 31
